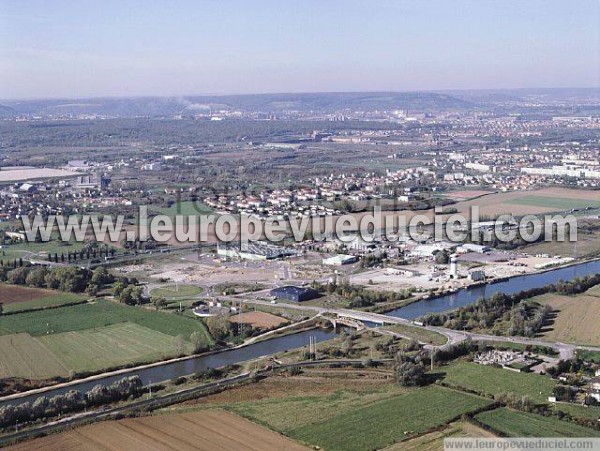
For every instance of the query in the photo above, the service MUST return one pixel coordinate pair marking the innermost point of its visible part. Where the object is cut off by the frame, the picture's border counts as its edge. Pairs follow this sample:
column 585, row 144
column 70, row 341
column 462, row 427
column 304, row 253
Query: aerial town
column 339, row 226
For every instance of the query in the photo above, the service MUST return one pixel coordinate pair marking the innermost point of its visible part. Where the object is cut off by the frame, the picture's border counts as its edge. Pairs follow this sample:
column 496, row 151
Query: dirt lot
column 258, row 319
column 11, row 294
column 577, row 319
column 207, row 430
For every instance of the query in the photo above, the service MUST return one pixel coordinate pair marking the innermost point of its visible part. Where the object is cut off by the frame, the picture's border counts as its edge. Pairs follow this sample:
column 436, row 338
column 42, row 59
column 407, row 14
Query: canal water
column 190, row 366
column 513, row 285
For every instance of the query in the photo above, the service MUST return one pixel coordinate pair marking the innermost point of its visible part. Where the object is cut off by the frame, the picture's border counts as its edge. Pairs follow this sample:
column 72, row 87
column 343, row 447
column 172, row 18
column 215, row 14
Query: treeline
column 359, row 296
column 64, row 278
column 522, row 319
column 72, row 401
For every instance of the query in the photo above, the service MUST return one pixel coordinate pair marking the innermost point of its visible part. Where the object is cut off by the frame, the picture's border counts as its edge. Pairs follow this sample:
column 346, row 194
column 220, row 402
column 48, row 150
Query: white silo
column 453, row 266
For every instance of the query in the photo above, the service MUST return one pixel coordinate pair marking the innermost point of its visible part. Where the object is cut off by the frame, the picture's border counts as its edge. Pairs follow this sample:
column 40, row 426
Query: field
column 555, row 203
column 418, row 333
column 207, row 430
column 258, row 319
column 13, row 175
column 518, row 203
column 107, row 347
column 23, row 356
column 383, row 423
column 592, row 356
column 91, row 337
column 173, row 292
column 520, row 424
column 15, row 298
column 490, row 380
column 309, row 407
column 99, row 314
column 577, row 318
column 587, row 245
column 434, row 441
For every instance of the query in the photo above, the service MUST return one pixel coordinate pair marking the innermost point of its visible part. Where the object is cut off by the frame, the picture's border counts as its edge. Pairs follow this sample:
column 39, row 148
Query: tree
column 218, row 326
column 197, row 341
column 158, row 302
column 131, row 295
column 18, row 276
column 36, row 277
column 101, row 277
column 407, row 372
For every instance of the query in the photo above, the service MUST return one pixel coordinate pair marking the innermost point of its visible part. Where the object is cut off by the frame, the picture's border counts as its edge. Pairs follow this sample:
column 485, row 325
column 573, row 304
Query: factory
column 294, row 294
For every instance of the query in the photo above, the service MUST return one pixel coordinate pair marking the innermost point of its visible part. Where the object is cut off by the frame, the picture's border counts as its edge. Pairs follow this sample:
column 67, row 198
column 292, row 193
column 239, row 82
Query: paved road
column 566, row 351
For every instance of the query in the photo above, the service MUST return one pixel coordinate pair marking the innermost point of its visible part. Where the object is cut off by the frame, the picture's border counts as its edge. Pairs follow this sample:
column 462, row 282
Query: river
column 513, row 285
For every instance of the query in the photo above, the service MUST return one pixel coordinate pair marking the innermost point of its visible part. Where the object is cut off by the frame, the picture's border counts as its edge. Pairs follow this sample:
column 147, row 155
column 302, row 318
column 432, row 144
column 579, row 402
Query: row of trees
column 65, row 278
column 73, row 400
column 83, row 254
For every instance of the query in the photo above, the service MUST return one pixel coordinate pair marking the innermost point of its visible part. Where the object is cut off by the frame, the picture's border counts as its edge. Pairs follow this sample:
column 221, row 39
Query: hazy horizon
column 150, row 49
column 232, row 94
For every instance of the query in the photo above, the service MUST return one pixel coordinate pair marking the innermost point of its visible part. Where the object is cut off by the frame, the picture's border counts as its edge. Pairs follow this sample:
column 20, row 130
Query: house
column 594, row 390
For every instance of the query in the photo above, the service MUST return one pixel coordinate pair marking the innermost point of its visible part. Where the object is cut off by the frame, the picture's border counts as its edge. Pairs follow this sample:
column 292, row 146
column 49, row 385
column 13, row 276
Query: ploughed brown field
column 209, row 430
column 12, row 294
column 258, row 319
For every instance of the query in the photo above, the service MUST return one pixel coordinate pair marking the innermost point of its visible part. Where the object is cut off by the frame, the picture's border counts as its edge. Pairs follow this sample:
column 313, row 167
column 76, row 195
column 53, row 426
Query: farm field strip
column 23, row 356
column 119, row 344
column 389, row 421
column 491, row 380
column 100, row 314
column 554, row 202
column 15, row 298
column 205, row 430
column 521, row 424
column 577, row 319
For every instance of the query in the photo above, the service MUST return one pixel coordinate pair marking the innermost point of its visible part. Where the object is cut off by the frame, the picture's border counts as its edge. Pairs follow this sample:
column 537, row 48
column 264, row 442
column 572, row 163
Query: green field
column 591, row 356
column 186, row 208
column 170, row 292
column 57, row 300
column 119, row 344
column 99, row 314
column 90, row 337
column 355, row 421
column 383, row 423
column 553, row 202
column 579, row 411
column 520, row 424
column 491, row 380
column 23, row 356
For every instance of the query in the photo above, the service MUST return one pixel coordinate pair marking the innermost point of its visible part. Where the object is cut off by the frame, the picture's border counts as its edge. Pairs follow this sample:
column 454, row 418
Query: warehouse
column 294, row 294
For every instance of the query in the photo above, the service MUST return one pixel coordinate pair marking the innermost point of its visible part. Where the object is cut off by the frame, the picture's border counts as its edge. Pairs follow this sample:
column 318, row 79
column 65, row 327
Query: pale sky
column 90, row 48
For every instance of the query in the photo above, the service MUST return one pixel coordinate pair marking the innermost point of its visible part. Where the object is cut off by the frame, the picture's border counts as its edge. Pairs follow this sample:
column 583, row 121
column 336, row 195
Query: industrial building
column 259, row 251
column 294, row 294
column 340, row 259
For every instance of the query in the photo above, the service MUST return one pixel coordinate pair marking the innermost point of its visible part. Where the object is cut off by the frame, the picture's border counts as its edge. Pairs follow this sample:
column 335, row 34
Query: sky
column 85, row 48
